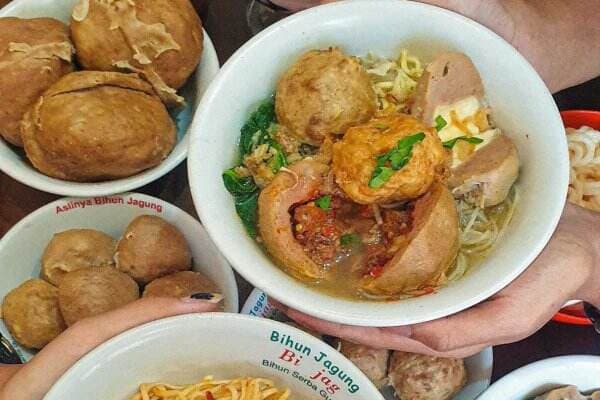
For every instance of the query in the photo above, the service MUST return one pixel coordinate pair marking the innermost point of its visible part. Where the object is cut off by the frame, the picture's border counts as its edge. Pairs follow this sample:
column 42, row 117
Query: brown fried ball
column 180, row 284
column 32, row 314
column 164, row 38
column 371, row 361
column 34, row 53
column 324, row 93
column 355, row 158
column 151, row 248
column 93, row 126
column 419, row 377
column 91, row 291
column 75, row 249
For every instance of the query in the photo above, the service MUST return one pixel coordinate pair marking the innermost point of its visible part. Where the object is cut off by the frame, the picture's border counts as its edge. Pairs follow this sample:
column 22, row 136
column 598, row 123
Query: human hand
column 32, row 380
column 565, row 270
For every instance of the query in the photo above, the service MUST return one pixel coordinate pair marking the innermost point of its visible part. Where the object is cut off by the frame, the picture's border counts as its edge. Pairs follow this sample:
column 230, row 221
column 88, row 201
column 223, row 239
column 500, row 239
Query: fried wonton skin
column 355, row 159
column 34, row 53
column 92, row 126
column 162, row 39
column 323, row 94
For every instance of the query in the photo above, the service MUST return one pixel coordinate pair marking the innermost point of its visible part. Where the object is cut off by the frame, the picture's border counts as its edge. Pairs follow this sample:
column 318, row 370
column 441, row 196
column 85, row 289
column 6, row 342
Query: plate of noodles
column 380, row 168
column 214, row 356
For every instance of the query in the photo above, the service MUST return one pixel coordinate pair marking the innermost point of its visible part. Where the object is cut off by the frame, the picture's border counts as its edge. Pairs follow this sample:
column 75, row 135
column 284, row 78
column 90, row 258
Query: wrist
column 590, row 290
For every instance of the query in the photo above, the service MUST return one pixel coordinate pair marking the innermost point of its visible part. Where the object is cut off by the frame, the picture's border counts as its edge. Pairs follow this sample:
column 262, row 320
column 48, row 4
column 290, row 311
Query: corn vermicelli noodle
column 584, row 177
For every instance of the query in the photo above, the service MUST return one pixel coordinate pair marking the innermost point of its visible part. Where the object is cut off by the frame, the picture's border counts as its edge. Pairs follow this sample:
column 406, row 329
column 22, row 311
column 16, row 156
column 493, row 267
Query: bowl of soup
column 380, row 168
column 270, row 360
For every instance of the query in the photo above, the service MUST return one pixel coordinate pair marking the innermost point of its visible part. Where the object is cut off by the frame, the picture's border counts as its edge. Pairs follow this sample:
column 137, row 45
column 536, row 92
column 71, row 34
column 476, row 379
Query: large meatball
column 151, row 248
column 163, row 38
column 93, row 126
column 32, row 315
column 324, row 93
column 372, row 362
column 91, row 291
column 180, row 284
column 75, row 249
column 356, row 156
column 419, row 377
column 34, row 53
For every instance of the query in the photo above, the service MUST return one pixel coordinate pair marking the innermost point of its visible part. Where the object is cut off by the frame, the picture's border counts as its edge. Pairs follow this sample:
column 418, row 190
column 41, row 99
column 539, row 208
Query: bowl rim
column 84, row 364
column 582, row 117
column 377, row 315
column 29, row 176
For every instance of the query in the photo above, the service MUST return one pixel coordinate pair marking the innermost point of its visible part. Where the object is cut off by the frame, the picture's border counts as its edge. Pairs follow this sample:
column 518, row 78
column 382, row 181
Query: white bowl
column 22, row 247
column 183, row 349
column 479, row 366
column 15, row 164
column 522, row 106
column 542, row 376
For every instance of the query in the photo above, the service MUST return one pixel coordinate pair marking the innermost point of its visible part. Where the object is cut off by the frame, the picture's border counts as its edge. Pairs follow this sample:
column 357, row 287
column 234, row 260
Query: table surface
column 226, row 24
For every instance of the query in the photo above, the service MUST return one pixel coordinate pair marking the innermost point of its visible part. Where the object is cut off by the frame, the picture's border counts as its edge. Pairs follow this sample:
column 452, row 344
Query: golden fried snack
column 419, row 377
column 324, row 93
column 161, row 38
column 151, row 248
column 94, row 126
column 32, row 315
column 91, row 291
column 180, row 284
column 355, row 159
column 75, row 249
column 34, row 53
column 372, row 362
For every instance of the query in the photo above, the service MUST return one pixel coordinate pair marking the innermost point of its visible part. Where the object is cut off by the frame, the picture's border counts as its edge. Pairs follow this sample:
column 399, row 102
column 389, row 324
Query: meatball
column 151, row 248
column 419, row 377
column 32, row 314
column 161, row 38
column 356, row 157
column 324, row 93
column 75, row 249
column 372, row 362
column 91, row 291
column 93, row 126
column 34, row 53
column 180, row 284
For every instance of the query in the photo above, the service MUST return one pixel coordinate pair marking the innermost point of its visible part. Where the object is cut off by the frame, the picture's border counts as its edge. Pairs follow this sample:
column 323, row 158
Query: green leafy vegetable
column 278, row 159
column 259, row 121
column 473, row 140
column 324, row 203
column 349, row 239
column 246, row 207
column 397, row 157
column 440, row 123
column 237, row 185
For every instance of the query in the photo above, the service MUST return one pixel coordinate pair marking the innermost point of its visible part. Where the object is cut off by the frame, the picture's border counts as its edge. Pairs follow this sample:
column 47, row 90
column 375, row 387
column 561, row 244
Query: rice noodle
column 584, row 175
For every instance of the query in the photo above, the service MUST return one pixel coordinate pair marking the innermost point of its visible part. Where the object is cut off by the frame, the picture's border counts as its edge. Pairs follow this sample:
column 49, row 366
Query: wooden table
column 226, row 24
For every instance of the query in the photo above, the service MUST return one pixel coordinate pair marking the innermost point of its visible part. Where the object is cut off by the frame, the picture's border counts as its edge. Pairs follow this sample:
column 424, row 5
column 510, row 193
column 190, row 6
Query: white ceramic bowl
column 22, row 247
column 479, row 367
column 185, row 348
column 15, row 164
column 521, row 104
column 542, row 376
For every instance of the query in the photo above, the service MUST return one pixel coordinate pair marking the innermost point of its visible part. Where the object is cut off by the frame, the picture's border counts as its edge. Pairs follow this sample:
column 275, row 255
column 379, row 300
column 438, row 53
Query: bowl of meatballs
column 96, row 97
column 381, row 167
column 79, row 257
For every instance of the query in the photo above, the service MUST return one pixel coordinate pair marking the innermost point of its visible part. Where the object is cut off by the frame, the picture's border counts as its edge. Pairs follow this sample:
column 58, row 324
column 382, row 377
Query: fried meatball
column 419, row 377
column 151, row 248
column 372, row 362
column 180, row 284
column 93, row 126
column 34, row 53
column 91, row 291
column 161, row 38
column 324, row 93
column 355, row 158
column 32, row 315
column 75, row 249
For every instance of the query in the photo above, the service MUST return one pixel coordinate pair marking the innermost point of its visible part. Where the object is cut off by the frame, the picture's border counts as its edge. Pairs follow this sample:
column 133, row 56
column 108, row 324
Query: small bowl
column 542, row 376
column 183, row 349
column 383, row 26
column 14, row 163
column 22, row 247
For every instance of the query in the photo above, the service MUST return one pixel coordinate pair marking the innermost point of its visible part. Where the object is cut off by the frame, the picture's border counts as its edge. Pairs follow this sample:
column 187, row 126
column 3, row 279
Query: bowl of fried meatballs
column 79, row 257
column 96, row 97
column 382, row 167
